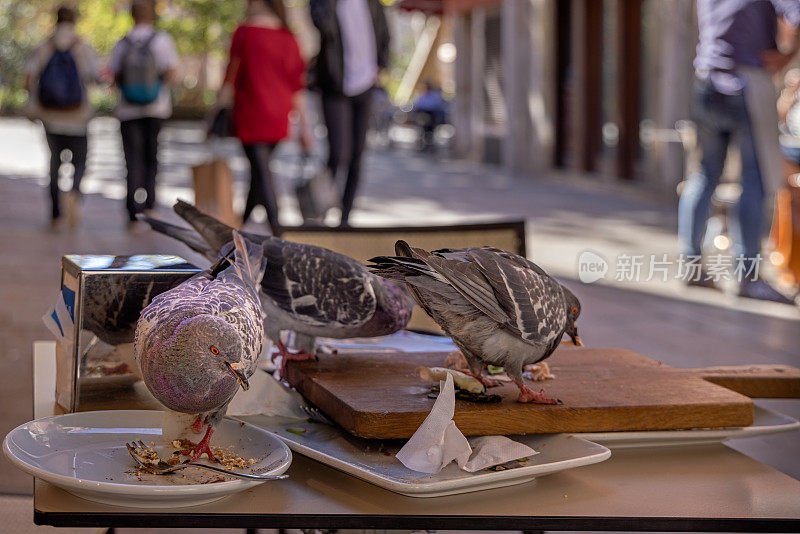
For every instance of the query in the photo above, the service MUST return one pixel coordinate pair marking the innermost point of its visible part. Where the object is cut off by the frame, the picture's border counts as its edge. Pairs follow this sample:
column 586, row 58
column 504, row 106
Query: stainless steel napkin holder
column 94, row 320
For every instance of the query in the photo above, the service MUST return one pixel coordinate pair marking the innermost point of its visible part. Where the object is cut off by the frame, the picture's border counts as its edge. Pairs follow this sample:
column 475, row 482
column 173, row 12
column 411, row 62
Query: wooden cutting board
column 379, row 395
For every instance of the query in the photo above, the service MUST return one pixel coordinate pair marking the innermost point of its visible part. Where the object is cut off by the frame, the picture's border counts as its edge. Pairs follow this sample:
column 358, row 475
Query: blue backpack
column 139, row 79
column 60, row 85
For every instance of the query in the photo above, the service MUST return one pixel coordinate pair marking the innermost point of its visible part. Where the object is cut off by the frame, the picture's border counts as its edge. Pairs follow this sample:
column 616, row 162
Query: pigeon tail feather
column 187, row 236
column 402, row 248
column 250, row 263
column 215, row 232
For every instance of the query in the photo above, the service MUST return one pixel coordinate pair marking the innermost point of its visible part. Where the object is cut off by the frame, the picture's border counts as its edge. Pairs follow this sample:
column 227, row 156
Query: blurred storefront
column 591, row 85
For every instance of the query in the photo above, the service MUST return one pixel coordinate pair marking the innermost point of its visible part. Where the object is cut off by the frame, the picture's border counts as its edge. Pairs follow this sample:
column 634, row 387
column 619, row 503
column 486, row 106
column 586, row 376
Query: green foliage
column 201, row 27
column 102, row 23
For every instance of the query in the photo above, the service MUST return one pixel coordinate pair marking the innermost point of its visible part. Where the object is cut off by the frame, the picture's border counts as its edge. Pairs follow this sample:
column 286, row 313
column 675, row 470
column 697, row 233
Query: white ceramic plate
column 84, row 453
column 764, row 422
column 374, row 461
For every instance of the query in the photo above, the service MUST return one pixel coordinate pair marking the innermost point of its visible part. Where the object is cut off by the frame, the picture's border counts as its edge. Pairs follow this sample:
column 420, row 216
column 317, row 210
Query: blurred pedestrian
column 432, row 107
column 789, row 118
column 57, row 76
column 354, row 46
column 736, row 57
column 264, row 79
column 144, row 64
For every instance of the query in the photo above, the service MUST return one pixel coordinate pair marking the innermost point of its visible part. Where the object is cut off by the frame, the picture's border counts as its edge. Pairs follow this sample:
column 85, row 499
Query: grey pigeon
column 499, row 308
column 310, row 290
column 198, row 342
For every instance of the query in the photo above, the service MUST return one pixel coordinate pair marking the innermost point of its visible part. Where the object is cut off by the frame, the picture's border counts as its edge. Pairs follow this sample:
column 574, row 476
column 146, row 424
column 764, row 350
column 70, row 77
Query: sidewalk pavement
column 565, row 215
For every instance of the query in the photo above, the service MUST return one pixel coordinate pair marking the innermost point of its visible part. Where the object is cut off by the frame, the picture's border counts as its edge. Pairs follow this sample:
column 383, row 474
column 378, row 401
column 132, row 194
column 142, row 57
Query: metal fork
column 315, row 414
column 163, row 468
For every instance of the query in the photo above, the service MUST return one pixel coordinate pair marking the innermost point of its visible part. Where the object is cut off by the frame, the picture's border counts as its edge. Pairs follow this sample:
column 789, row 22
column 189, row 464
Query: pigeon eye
column 574, row 310
column 214, row 350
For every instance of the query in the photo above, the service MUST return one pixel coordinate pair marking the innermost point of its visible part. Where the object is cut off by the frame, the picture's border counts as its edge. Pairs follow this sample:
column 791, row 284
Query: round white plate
column 84, row 453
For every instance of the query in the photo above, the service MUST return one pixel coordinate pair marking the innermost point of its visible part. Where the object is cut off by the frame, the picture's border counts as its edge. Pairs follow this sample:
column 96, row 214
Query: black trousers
column 140, row 145
column 58, row 143
column 347, row 119
column 262, row 190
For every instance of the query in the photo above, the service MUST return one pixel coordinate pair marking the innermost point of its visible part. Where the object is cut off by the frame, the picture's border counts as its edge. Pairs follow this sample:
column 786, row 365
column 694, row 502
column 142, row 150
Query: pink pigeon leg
column 526, row 394
column 197, row 426
column 287, row 355
column 202, row 447
column 487, row 382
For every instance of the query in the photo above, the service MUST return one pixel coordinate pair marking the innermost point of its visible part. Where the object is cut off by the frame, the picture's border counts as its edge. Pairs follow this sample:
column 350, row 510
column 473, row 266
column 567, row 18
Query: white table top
column 707, row 488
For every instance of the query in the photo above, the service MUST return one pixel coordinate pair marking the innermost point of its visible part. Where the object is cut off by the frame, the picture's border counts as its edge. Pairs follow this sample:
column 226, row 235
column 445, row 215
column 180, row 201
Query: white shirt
column 358, row 42
column 166, row 56
column 64, row 122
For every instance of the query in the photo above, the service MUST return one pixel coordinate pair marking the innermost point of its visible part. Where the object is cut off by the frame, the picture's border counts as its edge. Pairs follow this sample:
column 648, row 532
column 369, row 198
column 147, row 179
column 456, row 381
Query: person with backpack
column 57, row 75
column 144, row 65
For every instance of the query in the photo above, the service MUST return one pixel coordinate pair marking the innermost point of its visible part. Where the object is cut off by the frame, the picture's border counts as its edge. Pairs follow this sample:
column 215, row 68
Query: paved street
column 565, row 216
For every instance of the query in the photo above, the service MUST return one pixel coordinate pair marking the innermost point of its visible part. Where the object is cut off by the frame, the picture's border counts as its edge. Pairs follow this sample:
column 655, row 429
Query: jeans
column 140, row 145
column 347, row 120
column 76, row 144
column 720, row 119
column 791, row 153
column 261, row 192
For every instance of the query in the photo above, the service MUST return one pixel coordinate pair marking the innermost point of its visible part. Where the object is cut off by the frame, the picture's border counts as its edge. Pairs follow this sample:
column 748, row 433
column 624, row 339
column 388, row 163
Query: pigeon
column 499, row 308
column 310, row 290
column 197, row 343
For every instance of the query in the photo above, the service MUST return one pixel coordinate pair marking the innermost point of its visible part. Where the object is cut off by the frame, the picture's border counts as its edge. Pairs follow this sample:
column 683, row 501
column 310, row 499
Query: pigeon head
column 395, row 300
column 573, row 312
column 200, row 365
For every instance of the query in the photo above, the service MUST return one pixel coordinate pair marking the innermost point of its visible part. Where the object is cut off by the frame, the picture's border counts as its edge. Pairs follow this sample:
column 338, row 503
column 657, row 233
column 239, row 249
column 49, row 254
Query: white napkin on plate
column 438, row 441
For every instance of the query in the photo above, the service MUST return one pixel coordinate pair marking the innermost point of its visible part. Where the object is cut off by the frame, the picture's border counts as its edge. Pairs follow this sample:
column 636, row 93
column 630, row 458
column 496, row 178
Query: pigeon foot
column 487, row 382
column 203, row 447
column 287, row 355
column 526, row 394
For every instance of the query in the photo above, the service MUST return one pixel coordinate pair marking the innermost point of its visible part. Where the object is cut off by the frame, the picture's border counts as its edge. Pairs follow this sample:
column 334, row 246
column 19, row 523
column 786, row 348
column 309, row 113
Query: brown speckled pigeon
column 198, row 342
column 310, row 290
column 499, row 308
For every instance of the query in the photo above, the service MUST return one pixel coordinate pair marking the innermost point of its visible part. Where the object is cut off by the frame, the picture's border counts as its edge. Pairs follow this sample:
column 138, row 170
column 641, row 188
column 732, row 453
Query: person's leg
column 261, row 190
column 151, row 129
column 361, row 106
column 131, row 132
column 55, row 143
column 336, row 114
column 78, row 145
column 712, row 138
column 750, row 223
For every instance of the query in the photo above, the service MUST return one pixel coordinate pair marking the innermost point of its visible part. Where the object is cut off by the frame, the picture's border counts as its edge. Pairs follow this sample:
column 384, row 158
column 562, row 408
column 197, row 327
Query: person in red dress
column 264, row 79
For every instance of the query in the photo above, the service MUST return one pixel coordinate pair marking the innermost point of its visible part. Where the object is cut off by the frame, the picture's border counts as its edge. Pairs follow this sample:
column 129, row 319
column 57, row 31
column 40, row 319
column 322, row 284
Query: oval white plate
column 375, row 462
column 764, row 422
column 84, row 453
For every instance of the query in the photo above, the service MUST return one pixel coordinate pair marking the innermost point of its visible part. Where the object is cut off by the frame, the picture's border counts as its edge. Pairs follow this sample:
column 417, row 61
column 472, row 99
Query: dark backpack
column 140, row 81
column 60, row 85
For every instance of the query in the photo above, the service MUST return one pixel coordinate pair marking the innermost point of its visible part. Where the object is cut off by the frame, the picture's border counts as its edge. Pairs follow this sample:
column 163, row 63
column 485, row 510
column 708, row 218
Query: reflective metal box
column 99, row 302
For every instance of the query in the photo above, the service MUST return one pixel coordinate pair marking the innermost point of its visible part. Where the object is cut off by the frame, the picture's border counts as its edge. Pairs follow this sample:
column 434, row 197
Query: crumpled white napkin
column 438, row 441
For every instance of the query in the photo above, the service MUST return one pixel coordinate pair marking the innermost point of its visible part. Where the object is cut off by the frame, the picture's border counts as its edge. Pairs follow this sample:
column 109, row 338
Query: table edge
column 126, row 519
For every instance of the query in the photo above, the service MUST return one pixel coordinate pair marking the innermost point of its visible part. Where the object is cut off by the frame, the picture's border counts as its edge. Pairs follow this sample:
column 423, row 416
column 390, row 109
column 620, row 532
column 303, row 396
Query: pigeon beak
column 576, row 340
column 572, row 332
column 239, row 376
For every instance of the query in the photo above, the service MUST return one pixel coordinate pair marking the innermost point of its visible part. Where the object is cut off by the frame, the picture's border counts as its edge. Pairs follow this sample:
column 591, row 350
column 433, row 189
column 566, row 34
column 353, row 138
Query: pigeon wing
column 533, row 301
column 467, row 279
column 317, row 286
